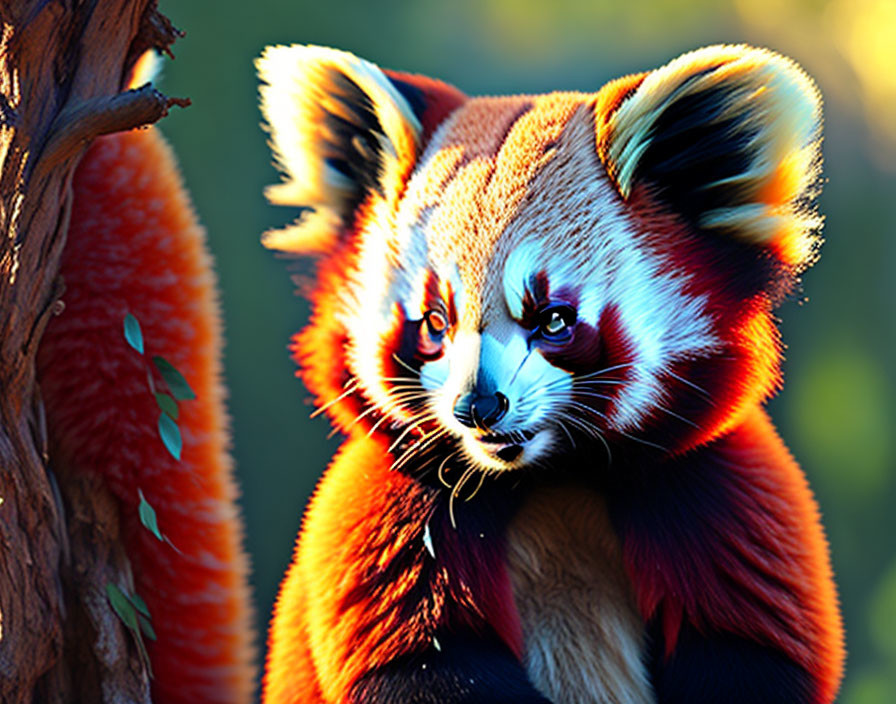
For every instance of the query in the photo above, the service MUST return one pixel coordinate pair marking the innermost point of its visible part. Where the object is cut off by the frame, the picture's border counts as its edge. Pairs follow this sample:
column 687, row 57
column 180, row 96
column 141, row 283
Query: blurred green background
column 838, row 409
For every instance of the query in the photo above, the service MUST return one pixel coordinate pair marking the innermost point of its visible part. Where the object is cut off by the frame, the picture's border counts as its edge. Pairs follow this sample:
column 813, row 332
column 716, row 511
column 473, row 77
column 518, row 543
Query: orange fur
column 334, row 602
column 134, row 245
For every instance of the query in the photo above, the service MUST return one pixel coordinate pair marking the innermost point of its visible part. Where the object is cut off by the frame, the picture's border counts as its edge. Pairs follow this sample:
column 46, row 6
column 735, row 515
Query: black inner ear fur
column 352, row 140
column 689, row 153
column 412, row 95
column 691, row 150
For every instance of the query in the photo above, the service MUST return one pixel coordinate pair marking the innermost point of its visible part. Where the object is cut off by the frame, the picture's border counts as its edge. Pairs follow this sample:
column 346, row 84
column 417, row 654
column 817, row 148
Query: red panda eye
column 436, row 322
column 554, row 323
column 429, row 340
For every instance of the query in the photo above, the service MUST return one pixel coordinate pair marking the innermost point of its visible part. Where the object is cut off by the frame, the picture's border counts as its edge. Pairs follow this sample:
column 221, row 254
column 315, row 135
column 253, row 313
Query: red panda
column 544, row 324
column 134, row 247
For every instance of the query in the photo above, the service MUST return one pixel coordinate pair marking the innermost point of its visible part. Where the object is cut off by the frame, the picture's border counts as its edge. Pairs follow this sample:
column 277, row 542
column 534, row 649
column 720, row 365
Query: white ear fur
column 766, row 99
column 299, row 91
column 148, row 68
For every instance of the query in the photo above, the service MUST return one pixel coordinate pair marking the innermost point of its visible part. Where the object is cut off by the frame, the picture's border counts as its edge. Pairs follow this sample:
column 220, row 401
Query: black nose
column 481, row 411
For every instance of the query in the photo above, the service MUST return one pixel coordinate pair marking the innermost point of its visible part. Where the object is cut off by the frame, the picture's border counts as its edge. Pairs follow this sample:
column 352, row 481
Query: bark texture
column 63, row 64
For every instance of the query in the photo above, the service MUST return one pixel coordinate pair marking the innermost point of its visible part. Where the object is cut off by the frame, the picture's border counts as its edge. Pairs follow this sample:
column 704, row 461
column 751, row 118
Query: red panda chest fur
column 583, row 638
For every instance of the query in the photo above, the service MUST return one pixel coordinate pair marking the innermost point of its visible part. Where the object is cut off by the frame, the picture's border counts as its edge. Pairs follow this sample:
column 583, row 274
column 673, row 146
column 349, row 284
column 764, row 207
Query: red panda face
column 520, row 335
column 515, row 276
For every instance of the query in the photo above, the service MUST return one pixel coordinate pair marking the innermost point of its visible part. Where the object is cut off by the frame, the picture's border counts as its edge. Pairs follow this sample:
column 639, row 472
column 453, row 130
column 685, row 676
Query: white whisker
column 328, row 404
column 694, row 386
column 416, row 449
column 568, row 434
column 415, row 424
column 482, row 475
column 442, row 466
column 415, row 372
column 455, row 491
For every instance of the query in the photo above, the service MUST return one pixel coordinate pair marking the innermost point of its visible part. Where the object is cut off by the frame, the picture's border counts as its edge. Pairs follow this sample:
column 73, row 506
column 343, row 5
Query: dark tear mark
column 593, row 349
column 536, row 294
column 404, row 342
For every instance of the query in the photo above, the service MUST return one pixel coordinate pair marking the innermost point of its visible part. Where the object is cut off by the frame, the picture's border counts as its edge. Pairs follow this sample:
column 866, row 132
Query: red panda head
column 523, row 275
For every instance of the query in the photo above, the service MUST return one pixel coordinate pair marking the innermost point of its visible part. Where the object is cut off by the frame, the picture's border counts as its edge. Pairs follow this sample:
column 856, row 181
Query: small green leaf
column 122, row 606
column 173, row 546
column 146, row 627
column 167, row 404
column 132, row 333
column 139, row 604
column 149, row 382
column 170, row 434
column 178, row 386
column 148, row 517
column 144, row 654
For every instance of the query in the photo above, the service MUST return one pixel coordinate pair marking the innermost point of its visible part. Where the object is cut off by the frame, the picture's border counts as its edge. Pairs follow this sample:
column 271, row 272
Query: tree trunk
column 63, row 64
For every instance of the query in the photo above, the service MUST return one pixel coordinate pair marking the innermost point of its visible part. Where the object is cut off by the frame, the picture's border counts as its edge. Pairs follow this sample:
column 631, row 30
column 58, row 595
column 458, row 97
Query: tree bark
column 63, row 64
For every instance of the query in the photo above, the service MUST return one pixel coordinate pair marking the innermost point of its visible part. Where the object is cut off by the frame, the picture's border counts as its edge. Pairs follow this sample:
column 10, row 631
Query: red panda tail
column 134, row 247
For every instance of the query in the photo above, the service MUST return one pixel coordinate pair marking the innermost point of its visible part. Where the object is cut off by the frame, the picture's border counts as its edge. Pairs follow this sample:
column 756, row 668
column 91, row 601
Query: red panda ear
column 729, row 138
column 341, row 131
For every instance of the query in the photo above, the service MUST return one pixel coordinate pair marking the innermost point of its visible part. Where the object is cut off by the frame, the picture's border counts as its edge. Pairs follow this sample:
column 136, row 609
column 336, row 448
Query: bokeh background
column 838, row 409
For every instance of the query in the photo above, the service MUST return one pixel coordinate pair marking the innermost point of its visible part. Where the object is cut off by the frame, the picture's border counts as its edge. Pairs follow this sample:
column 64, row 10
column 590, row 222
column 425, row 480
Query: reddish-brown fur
column 134, row 246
